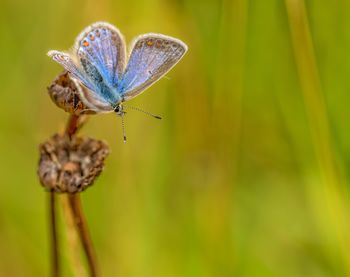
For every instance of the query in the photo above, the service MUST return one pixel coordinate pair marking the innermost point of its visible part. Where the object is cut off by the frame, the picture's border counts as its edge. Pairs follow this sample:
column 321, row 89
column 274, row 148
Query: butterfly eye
column 91, row 37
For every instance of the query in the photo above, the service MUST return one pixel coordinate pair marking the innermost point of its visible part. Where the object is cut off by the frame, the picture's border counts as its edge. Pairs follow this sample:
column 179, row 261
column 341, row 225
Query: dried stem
column 73, row 239
column 76, row 215
column 70, row 131
column 73, row 125
column 54, row 237
column 77, row 212
column 82, row 228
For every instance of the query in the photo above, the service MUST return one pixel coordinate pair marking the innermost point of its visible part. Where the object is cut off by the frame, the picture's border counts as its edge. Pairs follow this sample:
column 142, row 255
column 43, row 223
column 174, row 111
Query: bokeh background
column 248, row 173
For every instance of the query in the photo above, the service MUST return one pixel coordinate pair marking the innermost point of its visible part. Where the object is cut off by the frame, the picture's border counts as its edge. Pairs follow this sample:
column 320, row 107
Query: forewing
column 92, row 96
column 103, row 46
column 67, row 62
column 152, row 56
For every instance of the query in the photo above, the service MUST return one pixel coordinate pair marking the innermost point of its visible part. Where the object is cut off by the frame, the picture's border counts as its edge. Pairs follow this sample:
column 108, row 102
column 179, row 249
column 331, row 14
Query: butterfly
column 99, row 61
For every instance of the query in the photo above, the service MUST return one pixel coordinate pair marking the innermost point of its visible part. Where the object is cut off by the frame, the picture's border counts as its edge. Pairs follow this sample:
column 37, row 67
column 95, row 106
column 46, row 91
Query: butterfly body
column 99, row 62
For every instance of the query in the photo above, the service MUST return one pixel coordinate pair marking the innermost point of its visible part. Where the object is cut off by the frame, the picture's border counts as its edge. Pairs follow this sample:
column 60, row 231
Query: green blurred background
column 248, row 173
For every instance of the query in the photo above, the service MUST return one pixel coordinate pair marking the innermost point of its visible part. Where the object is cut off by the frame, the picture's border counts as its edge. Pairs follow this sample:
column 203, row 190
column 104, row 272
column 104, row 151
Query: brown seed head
column 70, row 165
column 64, row 93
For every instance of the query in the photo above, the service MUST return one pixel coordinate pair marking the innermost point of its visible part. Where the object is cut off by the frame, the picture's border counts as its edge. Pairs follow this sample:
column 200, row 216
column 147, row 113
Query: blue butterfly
column 99, row 62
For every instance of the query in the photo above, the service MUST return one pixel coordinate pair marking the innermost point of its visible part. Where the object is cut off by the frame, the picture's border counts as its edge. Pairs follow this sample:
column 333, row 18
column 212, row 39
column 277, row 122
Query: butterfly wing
column 103, row 46
column 88, row 96
column 98, row 61
column 152, row 56
column 71, row 66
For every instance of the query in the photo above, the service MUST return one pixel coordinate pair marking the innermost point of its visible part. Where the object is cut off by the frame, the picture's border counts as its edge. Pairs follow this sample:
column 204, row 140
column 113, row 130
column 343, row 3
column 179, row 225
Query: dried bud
column 71, row 165
column 64, row 92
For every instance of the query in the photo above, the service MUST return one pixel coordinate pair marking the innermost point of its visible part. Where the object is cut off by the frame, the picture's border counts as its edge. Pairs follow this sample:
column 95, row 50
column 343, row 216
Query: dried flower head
column 64, row 92
column 71, row 165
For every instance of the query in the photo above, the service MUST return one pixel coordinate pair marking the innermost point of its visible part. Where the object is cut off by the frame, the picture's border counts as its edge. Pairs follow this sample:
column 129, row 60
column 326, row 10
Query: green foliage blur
column 246, row 175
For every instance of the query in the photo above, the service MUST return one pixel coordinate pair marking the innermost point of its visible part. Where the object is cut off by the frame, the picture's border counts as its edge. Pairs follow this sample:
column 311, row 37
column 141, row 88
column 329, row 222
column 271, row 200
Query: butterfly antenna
column 123, row 128
column 140, row 110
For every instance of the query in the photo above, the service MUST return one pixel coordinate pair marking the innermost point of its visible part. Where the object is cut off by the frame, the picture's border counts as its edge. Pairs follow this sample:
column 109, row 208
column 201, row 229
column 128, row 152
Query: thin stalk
column 54, row 238
column 73, row 239
column 74, row 123
column 83, row 231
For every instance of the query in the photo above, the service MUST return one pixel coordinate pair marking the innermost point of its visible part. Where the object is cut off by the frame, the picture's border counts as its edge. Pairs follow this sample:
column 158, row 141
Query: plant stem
column 71, row 129
column 73, row 239
column 83, row 231
column 54, row 241
column 73, row 125
column 81, row 225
